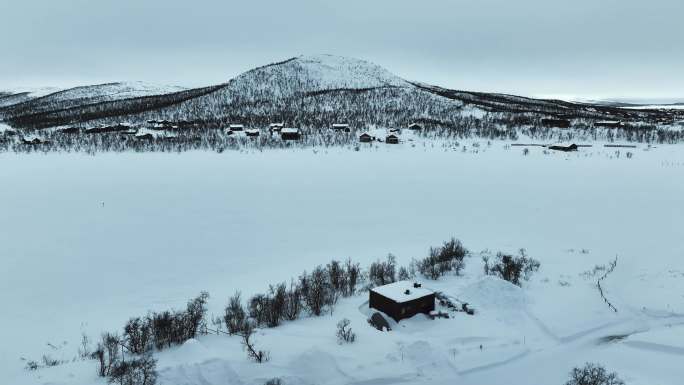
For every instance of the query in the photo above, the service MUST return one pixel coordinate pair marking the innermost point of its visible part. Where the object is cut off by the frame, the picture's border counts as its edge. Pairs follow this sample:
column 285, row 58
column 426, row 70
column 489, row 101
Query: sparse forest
column 91, row 120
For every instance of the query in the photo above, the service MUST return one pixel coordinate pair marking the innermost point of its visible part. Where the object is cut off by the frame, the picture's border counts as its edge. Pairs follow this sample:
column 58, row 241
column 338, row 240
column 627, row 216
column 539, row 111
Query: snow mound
column 191, row 351
column 317, row 366
column 494, row 293
column 211, row 372
column 428, row 360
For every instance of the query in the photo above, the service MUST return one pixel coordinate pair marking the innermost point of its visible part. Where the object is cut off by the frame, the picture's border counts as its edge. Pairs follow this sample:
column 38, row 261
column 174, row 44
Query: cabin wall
column 402, row 310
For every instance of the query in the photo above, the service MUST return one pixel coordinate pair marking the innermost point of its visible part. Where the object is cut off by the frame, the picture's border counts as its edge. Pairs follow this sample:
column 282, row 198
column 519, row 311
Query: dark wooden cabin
column 402, row 299
column 253, row 132
column 237, row 127
column 290, row 133
column 392, row 139
column 415, row 127
column 365, row 138
column 560, row 123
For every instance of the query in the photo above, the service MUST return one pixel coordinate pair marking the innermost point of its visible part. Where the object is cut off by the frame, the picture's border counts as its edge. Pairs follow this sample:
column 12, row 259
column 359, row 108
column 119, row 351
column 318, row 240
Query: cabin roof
column 236, row 125
column 289, row 130
column 397, row 291
column 340, row 125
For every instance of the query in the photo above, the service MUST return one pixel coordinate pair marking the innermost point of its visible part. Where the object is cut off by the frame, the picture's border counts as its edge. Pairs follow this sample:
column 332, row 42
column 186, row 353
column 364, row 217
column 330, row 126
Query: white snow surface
column 657, row 107
column 397, row 291
column 87, row 242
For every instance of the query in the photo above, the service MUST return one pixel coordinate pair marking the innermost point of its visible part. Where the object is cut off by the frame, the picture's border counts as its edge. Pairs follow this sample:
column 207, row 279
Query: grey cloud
column 582, row 47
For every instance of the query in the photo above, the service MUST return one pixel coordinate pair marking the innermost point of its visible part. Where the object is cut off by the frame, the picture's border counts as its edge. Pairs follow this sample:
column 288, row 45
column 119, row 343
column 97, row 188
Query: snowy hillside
column 45, row 101
column 314, row 92
column 20, row 95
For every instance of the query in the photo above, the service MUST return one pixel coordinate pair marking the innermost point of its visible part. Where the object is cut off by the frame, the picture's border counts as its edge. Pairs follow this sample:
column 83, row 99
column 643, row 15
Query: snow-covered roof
column 289, row 130
column 236, row 126
column 397, row 291
column 340, row 125
column 252, row 131
column 276, row 124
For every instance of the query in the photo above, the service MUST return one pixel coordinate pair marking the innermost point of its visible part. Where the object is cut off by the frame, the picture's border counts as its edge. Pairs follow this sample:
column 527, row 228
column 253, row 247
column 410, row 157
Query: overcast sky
column 585, row 48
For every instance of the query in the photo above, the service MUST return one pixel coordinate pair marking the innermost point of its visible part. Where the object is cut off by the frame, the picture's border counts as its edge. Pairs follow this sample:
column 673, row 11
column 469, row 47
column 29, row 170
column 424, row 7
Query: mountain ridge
column 306, row 90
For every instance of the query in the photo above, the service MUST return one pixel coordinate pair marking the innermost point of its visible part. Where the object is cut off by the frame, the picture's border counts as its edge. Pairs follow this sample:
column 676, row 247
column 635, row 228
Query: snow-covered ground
column 658, row 107
column 87, row 242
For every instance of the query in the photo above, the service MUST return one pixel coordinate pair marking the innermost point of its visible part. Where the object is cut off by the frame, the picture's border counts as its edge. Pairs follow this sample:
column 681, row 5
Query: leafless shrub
column 513, row 268
column 344, row 332
column 253, row 353
column 593, row 374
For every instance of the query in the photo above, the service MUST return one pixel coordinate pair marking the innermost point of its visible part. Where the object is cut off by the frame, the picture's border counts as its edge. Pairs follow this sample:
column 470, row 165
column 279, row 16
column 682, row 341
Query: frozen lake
column 88, row 241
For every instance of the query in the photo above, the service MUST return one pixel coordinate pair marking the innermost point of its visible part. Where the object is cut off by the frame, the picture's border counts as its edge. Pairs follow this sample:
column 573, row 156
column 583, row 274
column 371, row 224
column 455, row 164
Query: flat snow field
column 87, row 242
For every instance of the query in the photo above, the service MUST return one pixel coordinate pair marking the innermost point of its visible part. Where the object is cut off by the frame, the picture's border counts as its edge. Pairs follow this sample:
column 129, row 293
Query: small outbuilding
column 275, row 127
column 415, row 127
column 402, row 299
column 252, row 132
column 289, row 133
column 237, row 127
column 564, row 148
column 392, row 139
column 341, row 127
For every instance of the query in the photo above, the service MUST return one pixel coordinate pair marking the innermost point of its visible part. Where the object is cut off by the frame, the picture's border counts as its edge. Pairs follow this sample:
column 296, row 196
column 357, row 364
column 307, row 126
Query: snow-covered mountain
column 307, row 91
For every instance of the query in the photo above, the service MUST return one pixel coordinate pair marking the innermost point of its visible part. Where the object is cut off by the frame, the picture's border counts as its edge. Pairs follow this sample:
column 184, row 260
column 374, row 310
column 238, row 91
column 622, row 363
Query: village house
column 237, row 127
column 402, row 299
column 560, row 123
column 415, row 127
column 365, row 138
column 392, row 139
column 252, row 132
column 289, row 133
